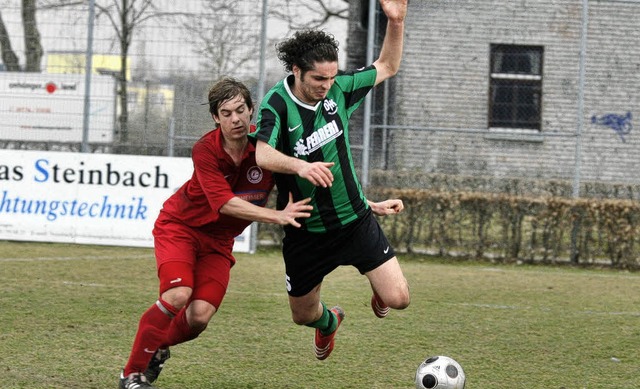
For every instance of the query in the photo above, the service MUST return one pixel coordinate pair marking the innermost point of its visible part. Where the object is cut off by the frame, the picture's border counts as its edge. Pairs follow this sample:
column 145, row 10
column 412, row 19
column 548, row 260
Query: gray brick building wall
column 439, row 102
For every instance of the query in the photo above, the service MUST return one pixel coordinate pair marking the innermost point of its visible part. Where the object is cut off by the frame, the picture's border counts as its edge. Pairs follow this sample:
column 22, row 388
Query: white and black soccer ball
column 440, row 372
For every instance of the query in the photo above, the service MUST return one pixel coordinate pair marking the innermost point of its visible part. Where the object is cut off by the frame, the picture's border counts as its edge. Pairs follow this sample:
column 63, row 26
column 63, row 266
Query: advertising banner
column 88, row 198
column 50, row 107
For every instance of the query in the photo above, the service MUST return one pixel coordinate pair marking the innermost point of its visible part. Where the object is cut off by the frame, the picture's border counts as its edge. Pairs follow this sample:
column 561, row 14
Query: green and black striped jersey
column 318, row 133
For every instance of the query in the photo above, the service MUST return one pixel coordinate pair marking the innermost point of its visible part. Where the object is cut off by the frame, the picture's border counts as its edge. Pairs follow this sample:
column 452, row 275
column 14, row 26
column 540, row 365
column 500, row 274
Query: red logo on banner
column 51, row 87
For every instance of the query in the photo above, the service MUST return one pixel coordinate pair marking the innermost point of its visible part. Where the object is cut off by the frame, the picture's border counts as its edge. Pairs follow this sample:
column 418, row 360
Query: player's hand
column 295, row 210
column 387, row 207
column 318, row 173
column 396, row 10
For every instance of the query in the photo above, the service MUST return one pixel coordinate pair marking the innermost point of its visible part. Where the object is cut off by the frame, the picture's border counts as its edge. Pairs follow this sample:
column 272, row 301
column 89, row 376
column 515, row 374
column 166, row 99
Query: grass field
column 68, row 314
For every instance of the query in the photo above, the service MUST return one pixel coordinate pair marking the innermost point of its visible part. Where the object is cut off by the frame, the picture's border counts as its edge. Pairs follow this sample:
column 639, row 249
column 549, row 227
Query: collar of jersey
column 297, row 100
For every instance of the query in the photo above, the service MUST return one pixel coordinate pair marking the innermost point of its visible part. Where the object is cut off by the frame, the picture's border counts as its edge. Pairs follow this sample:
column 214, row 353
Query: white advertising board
column 88, row 198
column 50, row 107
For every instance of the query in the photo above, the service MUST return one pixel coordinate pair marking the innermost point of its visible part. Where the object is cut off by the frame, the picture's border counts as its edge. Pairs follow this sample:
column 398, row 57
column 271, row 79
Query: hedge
column 507, row 228
column 515, row 228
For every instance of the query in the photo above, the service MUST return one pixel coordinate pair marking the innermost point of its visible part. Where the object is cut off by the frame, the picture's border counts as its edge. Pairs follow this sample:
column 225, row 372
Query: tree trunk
column 124, row 110
column 9, row 57
column 33, row 48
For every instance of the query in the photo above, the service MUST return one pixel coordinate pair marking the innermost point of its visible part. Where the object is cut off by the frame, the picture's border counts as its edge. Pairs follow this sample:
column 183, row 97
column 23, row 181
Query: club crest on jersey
column 319, row 138
column 330, row 106
column 254, row 174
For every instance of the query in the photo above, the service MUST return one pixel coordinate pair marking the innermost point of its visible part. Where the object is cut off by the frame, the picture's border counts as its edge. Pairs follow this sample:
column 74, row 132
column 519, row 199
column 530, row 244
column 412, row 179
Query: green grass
column 68, row 314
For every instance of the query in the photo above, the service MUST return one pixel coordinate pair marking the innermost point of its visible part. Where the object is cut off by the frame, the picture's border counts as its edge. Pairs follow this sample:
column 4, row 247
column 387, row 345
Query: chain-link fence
column 530, row 97
column 162, row 60
column 532, row 93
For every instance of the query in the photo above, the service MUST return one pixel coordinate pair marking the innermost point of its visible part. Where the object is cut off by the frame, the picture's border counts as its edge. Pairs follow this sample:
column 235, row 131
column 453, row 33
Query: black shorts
column 309, row 257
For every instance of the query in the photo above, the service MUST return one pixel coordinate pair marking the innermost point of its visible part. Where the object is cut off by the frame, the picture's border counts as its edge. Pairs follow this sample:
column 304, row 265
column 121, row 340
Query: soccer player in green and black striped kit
column 303, row 138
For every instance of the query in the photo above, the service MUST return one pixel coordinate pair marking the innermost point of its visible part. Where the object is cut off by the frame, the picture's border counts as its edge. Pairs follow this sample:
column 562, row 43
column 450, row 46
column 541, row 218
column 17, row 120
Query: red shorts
column 191, row 257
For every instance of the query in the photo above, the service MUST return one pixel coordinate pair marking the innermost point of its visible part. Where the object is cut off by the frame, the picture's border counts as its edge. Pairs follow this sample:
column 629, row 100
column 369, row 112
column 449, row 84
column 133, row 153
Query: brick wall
column 440, row 97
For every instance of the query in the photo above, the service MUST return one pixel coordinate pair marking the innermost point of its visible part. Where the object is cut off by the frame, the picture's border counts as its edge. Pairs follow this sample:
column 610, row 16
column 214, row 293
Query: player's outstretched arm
column 242, row 209
column 318, row 173
column 386, row 207
column 390, row 57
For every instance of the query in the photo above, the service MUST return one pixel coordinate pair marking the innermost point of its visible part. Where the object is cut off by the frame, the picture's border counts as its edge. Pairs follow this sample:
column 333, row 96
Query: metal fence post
column 366, row 125
column 578, row 156
column 87, row 77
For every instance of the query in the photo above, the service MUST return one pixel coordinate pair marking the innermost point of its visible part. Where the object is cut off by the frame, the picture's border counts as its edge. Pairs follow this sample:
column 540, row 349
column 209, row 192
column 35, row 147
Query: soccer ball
column 440, row 372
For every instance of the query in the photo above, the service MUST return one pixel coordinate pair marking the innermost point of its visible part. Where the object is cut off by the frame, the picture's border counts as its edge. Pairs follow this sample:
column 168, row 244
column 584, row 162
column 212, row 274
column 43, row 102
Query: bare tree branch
column 301, row 14
column 47, row 5
column 229, row 41
column 125, row 17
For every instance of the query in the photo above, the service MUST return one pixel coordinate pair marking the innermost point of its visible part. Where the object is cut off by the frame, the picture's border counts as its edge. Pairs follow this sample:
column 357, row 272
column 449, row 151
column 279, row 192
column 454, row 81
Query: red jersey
column 215, row 180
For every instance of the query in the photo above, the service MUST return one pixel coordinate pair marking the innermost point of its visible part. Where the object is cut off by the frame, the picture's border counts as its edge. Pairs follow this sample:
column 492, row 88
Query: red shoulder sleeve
column 210, row 176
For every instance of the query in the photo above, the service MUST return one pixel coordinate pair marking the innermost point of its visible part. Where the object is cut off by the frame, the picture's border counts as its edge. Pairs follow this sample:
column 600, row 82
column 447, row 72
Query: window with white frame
column 515, row 87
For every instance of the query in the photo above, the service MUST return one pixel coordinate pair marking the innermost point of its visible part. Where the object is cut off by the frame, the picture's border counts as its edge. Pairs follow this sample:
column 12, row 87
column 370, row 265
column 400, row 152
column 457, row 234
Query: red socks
column 179, row 330
column 150, row 336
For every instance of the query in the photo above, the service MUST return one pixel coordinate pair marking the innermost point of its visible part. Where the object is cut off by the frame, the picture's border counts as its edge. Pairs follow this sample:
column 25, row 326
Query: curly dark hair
column 307, row 47
column 226, row 89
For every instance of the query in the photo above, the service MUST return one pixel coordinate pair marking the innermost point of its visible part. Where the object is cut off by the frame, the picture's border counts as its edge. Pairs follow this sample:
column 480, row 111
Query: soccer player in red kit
column 195, row 231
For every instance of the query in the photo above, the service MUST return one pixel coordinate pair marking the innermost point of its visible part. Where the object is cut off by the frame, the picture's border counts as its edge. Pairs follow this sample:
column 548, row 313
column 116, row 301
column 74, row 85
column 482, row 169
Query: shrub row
column 509, row 228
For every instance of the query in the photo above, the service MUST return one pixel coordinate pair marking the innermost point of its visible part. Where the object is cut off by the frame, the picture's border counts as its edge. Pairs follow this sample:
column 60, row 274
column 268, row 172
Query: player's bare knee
column 177, row 297
column 199, row 313
column 199, row 322
column 400, row 301
column 402, row 304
